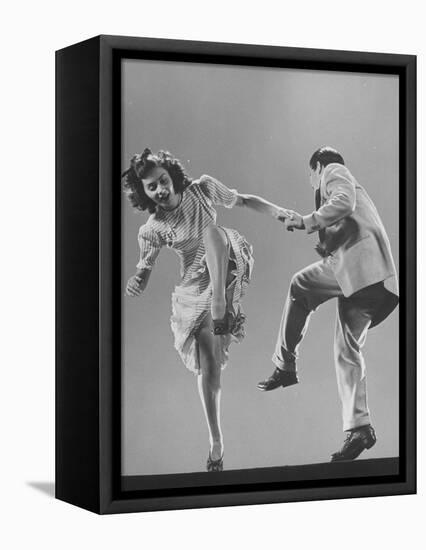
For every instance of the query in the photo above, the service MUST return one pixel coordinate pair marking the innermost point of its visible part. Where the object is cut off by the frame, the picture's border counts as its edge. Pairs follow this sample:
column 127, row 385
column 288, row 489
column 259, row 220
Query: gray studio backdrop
column 254, row 129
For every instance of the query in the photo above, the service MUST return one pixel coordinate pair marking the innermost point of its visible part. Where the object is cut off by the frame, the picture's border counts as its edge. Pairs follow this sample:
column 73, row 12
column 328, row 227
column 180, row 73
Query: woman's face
column 158, row 186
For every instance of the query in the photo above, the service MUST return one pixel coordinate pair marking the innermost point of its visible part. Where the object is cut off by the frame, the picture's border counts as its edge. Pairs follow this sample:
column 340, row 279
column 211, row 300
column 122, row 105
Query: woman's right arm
column 137, row 282
column 150, row 244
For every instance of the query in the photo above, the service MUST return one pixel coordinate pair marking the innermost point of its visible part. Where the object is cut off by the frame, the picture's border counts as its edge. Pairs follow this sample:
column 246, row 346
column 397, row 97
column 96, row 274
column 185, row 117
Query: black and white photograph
column 212, row 275
column 260, row 254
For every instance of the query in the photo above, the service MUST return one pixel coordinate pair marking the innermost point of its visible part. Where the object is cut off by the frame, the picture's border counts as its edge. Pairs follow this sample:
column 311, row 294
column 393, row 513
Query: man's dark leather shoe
column 356, row 441
column 278, row 378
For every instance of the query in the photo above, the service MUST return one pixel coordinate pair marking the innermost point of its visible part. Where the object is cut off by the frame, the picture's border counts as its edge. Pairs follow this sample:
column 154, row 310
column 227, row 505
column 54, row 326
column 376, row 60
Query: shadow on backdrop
column 47, row 487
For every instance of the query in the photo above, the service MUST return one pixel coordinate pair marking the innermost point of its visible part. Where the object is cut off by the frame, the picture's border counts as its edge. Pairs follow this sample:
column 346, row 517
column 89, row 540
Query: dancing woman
column 216, row 264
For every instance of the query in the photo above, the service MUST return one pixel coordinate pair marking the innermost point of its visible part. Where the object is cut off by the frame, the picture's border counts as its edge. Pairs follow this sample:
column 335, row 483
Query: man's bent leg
column 309, row 288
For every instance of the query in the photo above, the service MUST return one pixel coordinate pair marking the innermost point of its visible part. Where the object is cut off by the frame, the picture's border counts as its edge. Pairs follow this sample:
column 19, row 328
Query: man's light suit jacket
column 355, row 237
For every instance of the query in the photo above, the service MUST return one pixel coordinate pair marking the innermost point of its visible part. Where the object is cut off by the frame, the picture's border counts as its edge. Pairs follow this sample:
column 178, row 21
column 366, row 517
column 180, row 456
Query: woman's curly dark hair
column 140, row 165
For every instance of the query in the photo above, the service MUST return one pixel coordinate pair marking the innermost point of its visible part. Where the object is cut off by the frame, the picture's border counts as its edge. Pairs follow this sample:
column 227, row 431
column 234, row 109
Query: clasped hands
column 292, row 220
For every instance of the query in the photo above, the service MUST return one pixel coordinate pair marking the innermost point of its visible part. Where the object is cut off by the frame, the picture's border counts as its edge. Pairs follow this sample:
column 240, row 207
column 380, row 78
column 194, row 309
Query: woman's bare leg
column 217, row 257
column 210, row 389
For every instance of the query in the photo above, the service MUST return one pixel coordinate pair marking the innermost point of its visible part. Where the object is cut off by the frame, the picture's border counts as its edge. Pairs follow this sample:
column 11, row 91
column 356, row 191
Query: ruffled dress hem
column 190, row 308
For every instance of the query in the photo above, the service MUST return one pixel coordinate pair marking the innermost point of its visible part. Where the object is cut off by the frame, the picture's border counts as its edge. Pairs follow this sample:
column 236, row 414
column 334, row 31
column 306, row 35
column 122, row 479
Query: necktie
column 321, row 232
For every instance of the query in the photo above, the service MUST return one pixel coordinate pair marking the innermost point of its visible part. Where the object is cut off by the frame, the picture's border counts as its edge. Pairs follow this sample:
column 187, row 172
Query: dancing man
column 357, row 268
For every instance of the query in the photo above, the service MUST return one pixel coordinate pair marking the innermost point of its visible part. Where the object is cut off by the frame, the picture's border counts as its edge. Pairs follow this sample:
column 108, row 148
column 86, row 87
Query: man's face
column 315, row 176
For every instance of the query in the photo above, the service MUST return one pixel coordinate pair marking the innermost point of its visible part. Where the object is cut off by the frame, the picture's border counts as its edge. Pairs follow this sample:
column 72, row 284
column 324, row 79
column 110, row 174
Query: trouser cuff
column 289, row 366
column 358, row 423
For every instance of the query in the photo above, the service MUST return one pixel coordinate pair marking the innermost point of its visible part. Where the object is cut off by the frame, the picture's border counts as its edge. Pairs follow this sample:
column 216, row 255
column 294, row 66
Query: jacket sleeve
column 339, row 188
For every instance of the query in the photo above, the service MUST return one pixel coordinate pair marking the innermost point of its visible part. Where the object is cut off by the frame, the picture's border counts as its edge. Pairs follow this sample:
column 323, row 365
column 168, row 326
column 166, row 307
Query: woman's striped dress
column 182, row 230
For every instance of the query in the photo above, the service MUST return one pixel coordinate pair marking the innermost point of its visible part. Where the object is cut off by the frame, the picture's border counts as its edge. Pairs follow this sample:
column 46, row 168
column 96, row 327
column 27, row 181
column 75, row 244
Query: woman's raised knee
column 214, row 235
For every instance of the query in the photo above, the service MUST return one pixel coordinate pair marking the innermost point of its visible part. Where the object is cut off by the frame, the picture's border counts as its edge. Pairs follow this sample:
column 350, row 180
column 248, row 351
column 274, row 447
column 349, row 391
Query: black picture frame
column 88, row 377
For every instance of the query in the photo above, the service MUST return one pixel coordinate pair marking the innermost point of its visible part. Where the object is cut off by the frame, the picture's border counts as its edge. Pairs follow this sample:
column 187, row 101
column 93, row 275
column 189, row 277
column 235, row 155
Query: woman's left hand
column 282, row 214
column 293, row 220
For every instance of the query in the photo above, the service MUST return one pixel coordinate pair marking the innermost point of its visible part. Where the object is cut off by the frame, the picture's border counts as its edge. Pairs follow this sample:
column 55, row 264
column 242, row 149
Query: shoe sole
column 356, row 456
column 276, row 387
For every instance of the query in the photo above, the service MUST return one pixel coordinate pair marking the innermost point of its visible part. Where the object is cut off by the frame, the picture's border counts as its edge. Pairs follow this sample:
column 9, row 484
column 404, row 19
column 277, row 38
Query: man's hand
column 134, row 286
column 292, row 220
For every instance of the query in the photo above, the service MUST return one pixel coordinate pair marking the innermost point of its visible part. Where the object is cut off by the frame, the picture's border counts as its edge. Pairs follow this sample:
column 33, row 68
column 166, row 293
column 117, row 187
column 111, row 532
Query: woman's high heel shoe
column 214, row 465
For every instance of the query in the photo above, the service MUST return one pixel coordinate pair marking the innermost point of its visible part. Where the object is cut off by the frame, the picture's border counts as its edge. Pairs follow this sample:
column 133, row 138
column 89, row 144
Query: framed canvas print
column 235, row 274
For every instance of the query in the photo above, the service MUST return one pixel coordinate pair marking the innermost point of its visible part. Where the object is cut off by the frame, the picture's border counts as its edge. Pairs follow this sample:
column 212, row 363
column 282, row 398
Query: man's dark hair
column 325, row 155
